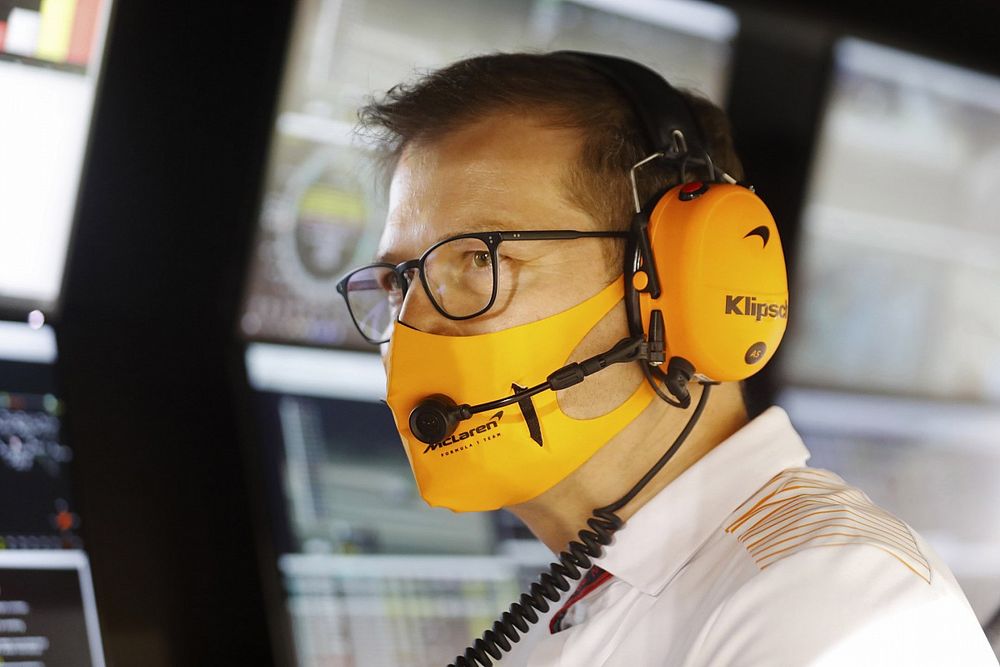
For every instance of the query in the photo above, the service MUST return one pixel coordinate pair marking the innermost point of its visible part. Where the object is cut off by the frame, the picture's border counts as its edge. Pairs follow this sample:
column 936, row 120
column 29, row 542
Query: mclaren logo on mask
column 749, row 306
column 455, row 438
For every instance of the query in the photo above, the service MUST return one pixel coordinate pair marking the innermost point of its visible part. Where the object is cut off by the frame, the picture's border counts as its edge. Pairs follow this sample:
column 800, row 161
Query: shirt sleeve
column 851, row 606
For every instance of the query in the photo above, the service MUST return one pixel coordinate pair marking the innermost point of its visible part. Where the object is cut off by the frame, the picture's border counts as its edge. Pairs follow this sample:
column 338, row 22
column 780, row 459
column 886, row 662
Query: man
column 734, row 553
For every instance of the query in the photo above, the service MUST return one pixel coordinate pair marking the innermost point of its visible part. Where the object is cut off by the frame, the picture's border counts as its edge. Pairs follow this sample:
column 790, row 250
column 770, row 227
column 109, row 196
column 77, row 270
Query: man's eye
column 481, row 260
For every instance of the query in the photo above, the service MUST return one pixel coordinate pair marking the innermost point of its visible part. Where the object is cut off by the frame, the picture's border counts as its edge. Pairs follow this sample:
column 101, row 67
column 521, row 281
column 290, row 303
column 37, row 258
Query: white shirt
column 750, row 558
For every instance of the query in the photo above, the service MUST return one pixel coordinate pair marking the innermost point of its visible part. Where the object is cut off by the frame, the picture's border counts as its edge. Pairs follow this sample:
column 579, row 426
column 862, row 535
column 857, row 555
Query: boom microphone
column 438, row 416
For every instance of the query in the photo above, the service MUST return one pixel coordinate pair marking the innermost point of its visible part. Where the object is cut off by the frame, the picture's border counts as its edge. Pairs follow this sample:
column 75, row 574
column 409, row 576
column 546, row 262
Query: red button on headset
column 692, row 190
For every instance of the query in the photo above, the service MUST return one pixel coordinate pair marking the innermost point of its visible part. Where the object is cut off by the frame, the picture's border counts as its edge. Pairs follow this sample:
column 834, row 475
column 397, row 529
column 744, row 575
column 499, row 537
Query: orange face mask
column 492, row 460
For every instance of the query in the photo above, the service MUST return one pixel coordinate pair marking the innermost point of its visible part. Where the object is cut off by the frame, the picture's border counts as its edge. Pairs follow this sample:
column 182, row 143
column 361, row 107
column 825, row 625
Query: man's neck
column 556, row 516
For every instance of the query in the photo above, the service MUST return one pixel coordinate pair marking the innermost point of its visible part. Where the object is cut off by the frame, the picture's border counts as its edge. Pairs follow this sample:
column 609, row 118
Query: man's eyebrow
column 479, row 225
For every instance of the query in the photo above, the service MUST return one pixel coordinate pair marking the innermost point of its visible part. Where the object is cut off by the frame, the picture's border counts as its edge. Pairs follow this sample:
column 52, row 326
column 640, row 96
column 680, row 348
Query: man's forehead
column 491, row 153
column 500, row 173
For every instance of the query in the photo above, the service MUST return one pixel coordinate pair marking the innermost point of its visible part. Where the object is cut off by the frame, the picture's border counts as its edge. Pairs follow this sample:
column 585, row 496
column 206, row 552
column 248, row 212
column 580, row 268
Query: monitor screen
column 50, row 55
column 323, row 207
column 48, row 617
column 401, row 609
column 899, row 259
column 36, row 509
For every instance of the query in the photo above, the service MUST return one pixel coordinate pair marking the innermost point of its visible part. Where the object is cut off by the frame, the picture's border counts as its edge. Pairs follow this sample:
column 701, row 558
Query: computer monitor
column 401, row 609
column 899, row 259
column 36, row 509
column 48, row 617
column 50, row 58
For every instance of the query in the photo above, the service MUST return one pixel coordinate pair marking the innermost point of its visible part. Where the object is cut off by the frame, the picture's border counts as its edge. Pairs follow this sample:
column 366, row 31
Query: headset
column 706, row 298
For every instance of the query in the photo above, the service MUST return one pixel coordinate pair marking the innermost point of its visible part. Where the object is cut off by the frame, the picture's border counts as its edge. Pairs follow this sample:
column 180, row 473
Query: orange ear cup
column 724, row 295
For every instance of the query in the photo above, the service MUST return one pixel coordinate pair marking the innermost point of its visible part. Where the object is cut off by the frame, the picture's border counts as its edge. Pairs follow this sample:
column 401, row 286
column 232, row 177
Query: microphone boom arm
column 436, row 417
column 625, row 350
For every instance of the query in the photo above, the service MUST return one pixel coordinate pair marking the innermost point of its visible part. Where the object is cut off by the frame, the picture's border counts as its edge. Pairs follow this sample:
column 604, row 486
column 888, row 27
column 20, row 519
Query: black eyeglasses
column 459, row 274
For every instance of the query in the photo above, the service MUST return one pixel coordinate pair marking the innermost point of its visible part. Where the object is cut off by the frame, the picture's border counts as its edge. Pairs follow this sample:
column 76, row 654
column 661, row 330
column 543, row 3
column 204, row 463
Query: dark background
column 149, row 358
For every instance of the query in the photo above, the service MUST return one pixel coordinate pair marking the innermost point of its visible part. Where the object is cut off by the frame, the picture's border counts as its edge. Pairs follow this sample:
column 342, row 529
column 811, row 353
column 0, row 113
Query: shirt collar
column 665, row 532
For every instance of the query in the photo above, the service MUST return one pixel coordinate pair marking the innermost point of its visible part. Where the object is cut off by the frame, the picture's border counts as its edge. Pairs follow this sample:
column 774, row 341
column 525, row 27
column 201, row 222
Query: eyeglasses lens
column 460, row 276
column 374, row 296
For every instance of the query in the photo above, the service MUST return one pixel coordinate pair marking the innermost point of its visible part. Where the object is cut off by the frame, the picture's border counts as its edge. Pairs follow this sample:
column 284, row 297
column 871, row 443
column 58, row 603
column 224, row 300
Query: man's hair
column 558, row 93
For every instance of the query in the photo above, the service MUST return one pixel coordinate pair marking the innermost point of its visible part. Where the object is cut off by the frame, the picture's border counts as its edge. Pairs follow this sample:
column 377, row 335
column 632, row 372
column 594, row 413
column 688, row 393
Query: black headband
column 659, row 107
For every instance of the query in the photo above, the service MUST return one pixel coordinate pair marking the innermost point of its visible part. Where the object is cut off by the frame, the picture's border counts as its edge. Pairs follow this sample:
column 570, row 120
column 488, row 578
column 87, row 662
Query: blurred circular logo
column 755, row 353
column 327, row 229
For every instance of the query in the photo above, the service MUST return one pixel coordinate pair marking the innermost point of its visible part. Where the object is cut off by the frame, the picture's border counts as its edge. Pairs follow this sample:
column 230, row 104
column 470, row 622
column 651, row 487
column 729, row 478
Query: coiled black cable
column 570, row 565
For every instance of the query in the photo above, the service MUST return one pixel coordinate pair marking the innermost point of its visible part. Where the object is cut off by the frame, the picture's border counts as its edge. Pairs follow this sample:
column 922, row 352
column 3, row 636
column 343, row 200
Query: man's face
column 508, row 173
column 502, row 173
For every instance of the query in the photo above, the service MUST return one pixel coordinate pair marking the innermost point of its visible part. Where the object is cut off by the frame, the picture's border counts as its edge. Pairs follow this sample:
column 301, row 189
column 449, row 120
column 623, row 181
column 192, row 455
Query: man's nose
column 419, row 312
